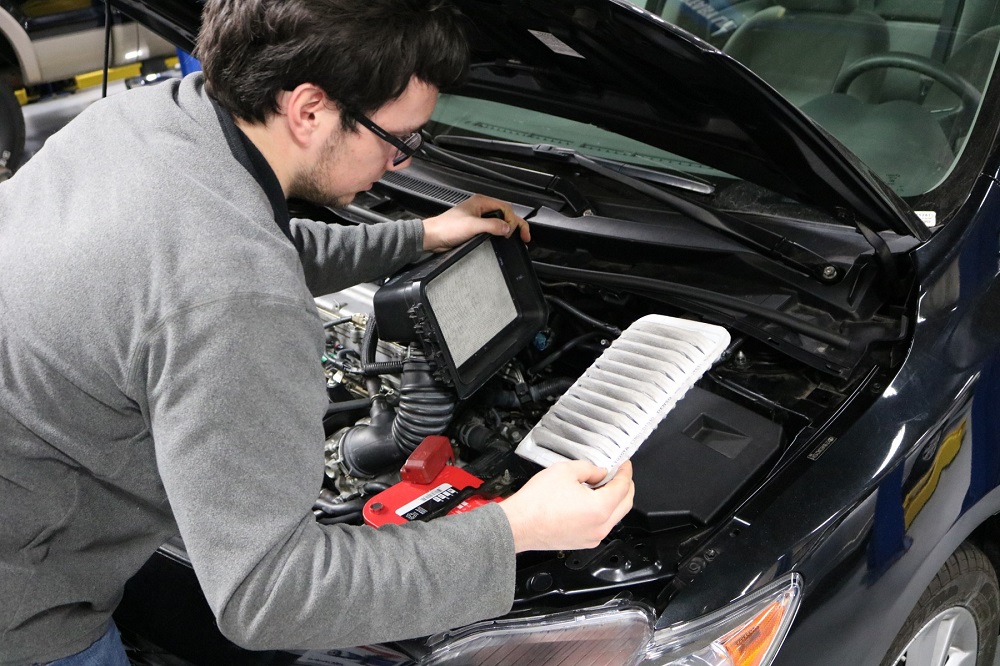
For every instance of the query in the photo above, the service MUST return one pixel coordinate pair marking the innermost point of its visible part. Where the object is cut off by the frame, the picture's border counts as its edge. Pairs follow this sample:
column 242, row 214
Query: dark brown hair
column 362, row 53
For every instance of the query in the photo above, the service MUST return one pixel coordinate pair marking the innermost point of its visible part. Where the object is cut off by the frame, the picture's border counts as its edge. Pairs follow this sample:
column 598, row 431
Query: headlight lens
column 610, row 635
column 747, row 632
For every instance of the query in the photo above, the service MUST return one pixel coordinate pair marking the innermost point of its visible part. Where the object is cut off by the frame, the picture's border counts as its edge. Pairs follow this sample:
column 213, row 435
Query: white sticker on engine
column 928, row 217
column 554, row 43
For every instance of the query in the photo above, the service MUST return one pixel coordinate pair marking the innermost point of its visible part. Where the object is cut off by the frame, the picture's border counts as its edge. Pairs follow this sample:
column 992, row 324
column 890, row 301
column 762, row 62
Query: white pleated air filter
column 614, row 406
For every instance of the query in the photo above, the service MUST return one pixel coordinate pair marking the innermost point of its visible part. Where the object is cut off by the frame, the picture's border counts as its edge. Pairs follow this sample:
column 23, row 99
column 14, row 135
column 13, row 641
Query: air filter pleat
column 556, row 448
column 623, row 418
column 660, row 354
column 679, row 345
column 606, row 376
column 574, row 433
column 619, row 394
column 611, row 409
column 591, row 417
column 674, row 369
column 649, row 382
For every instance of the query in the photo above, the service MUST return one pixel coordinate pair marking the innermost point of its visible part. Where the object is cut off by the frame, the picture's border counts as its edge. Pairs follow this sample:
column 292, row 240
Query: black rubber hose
column 425, row 408
column 340, row 508
column 347, row 406
column 336, row 322
column 613, row 331
column 369, row 449
column 375, row 487
column 425, row 405
column 344, row 353
column 554, row 356
column 347, row 519
column 537, row 393
column 369, row 344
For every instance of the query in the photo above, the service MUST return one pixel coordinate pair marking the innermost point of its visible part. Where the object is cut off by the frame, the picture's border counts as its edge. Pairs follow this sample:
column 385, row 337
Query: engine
column 438, row 375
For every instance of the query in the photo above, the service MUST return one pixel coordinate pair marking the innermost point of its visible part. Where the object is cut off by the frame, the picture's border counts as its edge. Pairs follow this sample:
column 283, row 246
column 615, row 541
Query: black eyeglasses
column 405, row 146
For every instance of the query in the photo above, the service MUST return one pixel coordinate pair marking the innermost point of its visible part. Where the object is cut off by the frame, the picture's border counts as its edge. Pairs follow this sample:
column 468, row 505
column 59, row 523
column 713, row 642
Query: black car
column 816, row 178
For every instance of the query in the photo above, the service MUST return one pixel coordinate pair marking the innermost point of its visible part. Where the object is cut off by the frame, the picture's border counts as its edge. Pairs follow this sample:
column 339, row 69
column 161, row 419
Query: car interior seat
column 800, row 47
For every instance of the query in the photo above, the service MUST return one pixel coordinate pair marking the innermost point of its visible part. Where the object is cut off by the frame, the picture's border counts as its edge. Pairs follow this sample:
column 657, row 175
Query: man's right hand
column 554, row 510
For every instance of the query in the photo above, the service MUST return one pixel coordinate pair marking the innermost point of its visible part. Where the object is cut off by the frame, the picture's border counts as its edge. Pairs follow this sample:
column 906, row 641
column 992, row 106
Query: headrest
column 828, row 6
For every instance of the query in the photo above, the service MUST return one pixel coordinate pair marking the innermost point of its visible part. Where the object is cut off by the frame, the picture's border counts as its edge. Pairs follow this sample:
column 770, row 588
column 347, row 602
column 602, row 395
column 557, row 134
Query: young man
column 159, row 346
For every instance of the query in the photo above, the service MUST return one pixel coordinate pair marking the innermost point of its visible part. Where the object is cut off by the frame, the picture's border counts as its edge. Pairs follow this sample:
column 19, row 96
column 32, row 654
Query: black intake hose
column 369, row 345
column 425, row 405
column 425, row 408
column 365, row 448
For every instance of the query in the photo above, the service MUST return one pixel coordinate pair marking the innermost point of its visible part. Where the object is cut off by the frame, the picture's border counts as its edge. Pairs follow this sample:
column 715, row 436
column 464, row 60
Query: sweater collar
column 250, row 157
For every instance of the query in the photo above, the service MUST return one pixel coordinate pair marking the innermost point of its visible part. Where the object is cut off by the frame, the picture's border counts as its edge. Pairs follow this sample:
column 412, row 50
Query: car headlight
column 747, row 632
column 608, row 635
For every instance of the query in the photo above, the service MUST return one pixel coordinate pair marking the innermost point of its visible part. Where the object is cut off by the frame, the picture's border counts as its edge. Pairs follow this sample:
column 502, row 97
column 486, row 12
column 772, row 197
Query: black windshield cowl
column 761, row 240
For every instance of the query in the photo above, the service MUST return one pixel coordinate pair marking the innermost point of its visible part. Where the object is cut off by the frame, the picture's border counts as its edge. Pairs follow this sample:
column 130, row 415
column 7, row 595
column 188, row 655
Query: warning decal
column 427, row 502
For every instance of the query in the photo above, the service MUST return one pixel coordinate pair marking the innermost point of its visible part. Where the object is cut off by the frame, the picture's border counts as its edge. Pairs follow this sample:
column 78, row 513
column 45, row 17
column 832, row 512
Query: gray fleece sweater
column 160, row 374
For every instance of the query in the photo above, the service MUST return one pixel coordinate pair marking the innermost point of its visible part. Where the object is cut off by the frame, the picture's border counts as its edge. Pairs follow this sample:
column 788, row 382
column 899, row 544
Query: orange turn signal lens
column 748, row 644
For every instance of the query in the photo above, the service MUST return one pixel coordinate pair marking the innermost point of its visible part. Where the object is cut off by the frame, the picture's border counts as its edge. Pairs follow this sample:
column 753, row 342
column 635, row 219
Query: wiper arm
column 760, row 239
column 763, row 240
column 528, row 149
column 554, row 185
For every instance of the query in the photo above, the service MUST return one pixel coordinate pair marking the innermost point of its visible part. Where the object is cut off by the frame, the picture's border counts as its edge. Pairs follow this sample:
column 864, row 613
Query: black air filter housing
column 472, row 309
column 701, row 456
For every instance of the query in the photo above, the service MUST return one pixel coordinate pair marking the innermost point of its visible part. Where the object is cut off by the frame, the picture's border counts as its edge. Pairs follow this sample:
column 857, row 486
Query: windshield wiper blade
column 651, row 175
column 765, row 242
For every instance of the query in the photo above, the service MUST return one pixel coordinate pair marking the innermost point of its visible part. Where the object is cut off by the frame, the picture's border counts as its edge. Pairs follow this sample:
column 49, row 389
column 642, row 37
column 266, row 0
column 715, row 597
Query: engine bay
column 732, row 428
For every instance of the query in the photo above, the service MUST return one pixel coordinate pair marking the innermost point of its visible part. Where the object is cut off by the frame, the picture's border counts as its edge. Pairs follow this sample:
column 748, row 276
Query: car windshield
column 898, row 82
column 504, row 122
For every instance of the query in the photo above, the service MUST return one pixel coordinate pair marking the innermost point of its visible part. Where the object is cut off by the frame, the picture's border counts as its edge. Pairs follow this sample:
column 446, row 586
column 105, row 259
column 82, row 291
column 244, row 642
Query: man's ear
column 308, row 113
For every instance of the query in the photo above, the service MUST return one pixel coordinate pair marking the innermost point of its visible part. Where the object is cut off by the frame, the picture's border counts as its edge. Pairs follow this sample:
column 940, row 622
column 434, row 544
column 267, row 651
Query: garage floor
column 46, row 117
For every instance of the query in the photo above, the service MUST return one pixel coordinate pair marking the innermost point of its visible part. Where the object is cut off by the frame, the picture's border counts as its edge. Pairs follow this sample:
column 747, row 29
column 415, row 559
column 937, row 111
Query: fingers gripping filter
column 472, row 309
column 618, row 401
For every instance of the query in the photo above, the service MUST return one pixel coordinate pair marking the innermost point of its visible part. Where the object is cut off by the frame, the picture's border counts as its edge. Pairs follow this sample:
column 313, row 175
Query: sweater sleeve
column 235, row 413
column 336, row 256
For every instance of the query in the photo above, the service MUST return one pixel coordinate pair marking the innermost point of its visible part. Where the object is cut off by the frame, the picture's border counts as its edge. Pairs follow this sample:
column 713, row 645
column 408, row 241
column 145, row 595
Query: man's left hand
column 455, row 226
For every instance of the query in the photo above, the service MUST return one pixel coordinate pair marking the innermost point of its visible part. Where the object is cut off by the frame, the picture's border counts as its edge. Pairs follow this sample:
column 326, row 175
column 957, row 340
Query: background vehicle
column 49, row 41
column 827, row 493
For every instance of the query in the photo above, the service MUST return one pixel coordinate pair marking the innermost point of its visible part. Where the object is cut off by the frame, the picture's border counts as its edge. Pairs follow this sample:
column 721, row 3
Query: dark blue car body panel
column 841, row 520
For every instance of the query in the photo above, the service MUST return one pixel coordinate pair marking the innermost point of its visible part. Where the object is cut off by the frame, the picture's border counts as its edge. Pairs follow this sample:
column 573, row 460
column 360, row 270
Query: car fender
column 21, row 43
column 867, row 516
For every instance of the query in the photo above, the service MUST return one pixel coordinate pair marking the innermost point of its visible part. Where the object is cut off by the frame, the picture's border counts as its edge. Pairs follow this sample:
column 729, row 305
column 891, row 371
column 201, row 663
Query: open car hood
column 611, row 64
column 614, row 65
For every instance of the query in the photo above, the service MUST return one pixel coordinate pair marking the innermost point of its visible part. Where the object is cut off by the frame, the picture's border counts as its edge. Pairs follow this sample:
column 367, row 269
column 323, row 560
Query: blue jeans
column 105, row 651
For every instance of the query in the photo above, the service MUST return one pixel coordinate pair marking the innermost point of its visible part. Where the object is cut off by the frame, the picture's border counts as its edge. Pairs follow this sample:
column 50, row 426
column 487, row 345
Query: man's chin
column 342, row 201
